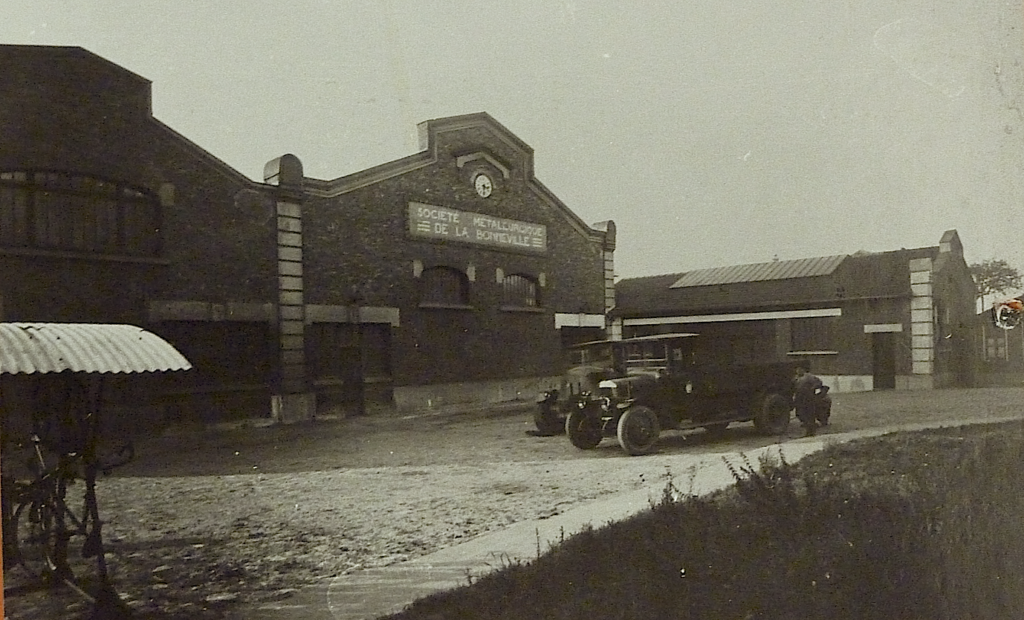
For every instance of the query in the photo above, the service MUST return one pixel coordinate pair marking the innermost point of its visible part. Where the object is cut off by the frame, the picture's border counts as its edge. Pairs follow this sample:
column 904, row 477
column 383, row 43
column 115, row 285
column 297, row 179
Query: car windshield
column 599, row 354
column 669, row 353
column 658, row 356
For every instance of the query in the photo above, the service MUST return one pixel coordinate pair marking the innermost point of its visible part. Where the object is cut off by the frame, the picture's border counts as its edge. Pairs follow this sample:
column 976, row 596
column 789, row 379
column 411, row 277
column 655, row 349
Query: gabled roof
column 778, row 284
column 757, row 272
column 428, row 137
column 74, row 51
column 739, row 288
column 429, row 133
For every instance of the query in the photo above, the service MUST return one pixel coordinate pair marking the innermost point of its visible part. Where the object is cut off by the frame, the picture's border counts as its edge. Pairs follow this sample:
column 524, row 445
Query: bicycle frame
column 44, row 524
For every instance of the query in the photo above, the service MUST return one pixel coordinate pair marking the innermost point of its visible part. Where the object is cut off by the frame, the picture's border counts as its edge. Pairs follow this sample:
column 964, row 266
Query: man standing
column 805, row 398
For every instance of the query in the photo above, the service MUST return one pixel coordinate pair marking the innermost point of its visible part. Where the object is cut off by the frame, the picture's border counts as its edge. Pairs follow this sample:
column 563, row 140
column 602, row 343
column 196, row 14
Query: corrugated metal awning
column 84, row 347
column 775, row 270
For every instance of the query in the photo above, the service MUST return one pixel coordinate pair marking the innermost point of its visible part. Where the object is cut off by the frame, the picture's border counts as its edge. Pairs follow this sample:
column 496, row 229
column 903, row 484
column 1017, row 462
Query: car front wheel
column 584, row 431
column 638, row 430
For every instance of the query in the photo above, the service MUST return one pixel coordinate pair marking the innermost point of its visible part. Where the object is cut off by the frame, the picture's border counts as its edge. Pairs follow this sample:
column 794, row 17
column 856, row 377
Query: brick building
column 296, row 292
column 902, row 319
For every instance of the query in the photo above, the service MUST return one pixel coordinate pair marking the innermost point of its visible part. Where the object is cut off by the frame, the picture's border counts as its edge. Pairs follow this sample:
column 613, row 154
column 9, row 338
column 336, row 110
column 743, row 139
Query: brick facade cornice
column 370, row 176
column 431, row 136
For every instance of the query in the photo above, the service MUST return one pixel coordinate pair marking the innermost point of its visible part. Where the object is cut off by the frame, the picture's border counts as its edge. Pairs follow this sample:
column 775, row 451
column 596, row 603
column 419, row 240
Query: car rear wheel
column 773, row 416
column 638, row 430
column 584, row 431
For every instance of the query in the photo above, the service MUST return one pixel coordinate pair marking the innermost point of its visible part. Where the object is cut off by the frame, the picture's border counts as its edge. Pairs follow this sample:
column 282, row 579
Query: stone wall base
column 287, row 408
column 427, row 397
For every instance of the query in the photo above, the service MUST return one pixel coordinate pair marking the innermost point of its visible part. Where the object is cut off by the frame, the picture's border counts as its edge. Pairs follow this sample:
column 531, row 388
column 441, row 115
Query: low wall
column 866, row 383
column 1000, row 379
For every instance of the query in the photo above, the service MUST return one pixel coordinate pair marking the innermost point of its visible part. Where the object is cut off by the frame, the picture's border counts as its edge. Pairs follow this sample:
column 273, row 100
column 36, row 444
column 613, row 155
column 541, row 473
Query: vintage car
column 590, row 363
column 663, row 382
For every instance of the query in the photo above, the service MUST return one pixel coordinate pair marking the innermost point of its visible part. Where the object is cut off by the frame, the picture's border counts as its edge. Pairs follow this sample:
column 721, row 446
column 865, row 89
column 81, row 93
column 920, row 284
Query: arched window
column 444, row 287
column 519, row 291
column 64, row 211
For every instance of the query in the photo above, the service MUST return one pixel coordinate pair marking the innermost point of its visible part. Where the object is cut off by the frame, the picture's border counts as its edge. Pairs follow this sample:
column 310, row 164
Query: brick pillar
column 293, row 400
column 922, row 333
column 613, row 329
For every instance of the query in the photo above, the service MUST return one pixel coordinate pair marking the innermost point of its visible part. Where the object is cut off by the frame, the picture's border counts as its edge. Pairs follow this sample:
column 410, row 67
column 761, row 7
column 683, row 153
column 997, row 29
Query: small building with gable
column 902, row 319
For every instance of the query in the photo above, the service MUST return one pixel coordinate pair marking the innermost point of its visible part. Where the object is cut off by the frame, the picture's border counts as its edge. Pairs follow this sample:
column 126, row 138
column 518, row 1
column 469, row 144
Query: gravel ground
column 203, row 520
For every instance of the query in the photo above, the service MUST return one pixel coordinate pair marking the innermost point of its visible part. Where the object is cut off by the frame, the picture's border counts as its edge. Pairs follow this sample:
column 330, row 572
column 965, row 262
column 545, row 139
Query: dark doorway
column 883, row 360
column 232, row 375
column 375, row 342
column 350, row 365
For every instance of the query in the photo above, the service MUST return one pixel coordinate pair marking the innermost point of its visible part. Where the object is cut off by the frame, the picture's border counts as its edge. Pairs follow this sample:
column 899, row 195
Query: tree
column 995, row 276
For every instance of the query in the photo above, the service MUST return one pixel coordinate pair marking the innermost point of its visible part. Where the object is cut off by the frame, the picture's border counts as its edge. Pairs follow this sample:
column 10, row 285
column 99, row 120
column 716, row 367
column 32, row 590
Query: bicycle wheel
column 34, row 541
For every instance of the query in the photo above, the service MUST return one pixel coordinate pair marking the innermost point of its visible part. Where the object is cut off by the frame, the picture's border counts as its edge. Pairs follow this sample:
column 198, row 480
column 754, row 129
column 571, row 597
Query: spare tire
column 772, row 418
column 547, row 420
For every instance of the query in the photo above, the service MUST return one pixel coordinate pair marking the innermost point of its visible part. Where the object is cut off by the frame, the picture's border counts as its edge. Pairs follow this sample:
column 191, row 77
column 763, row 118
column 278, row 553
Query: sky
column 713, row 132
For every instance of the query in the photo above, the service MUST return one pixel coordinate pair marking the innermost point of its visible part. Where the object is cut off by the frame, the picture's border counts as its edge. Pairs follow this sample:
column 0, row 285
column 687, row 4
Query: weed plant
column 904, row 527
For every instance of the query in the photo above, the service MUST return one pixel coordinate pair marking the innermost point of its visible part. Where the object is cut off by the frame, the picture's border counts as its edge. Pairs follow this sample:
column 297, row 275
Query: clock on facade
column 483, row 185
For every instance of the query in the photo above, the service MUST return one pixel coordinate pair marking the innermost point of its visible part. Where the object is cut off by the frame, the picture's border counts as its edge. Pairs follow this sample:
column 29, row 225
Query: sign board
column 435, row 222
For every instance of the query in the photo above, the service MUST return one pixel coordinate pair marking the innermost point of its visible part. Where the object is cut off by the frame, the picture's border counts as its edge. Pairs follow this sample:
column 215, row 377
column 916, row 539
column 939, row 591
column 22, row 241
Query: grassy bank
column 908, row 526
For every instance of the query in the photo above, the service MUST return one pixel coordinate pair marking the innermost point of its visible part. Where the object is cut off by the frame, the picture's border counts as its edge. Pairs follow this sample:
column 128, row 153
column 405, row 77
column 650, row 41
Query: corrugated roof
column 756, row 272
column 84, row 347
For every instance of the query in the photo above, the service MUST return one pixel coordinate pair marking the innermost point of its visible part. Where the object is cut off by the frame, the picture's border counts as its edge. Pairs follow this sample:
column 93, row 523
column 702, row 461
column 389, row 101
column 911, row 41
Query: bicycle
column 40, row 522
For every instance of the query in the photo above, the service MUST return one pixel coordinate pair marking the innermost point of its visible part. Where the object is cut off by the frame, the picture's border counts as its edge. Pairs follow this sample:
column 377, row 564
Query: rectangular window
column 13, row 216
column 995, row 347
column 139, row 228
column 811, row 334
column 106, row 225
column 48, row 221
column 83, row 229
column 744, row 350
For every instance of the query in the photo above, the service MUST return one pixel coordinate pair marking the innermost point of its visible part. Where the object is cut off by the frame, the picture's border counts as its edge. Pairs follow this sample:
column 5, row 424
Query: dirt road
column 202, row 520
column 501, row 435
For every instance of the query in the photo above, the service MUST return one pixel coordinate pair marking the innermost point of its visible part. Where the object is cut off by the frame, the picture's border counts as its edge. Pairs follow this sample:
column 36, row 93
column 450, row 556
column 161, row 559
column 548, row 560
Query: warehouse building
column 451, row 275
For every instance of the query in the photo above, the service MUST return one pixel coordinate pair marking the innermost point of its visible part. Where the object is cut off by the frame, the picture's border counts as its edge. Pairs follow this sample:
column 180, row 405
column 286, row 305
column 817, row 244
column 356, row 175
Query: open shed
column 67, row 363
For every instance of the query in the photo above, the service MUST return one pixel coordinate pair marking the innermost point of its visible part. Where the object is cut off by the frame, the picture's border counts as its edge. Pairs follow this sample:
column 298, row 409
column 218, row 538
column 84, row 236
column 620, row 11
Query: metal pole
column 91, row 458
